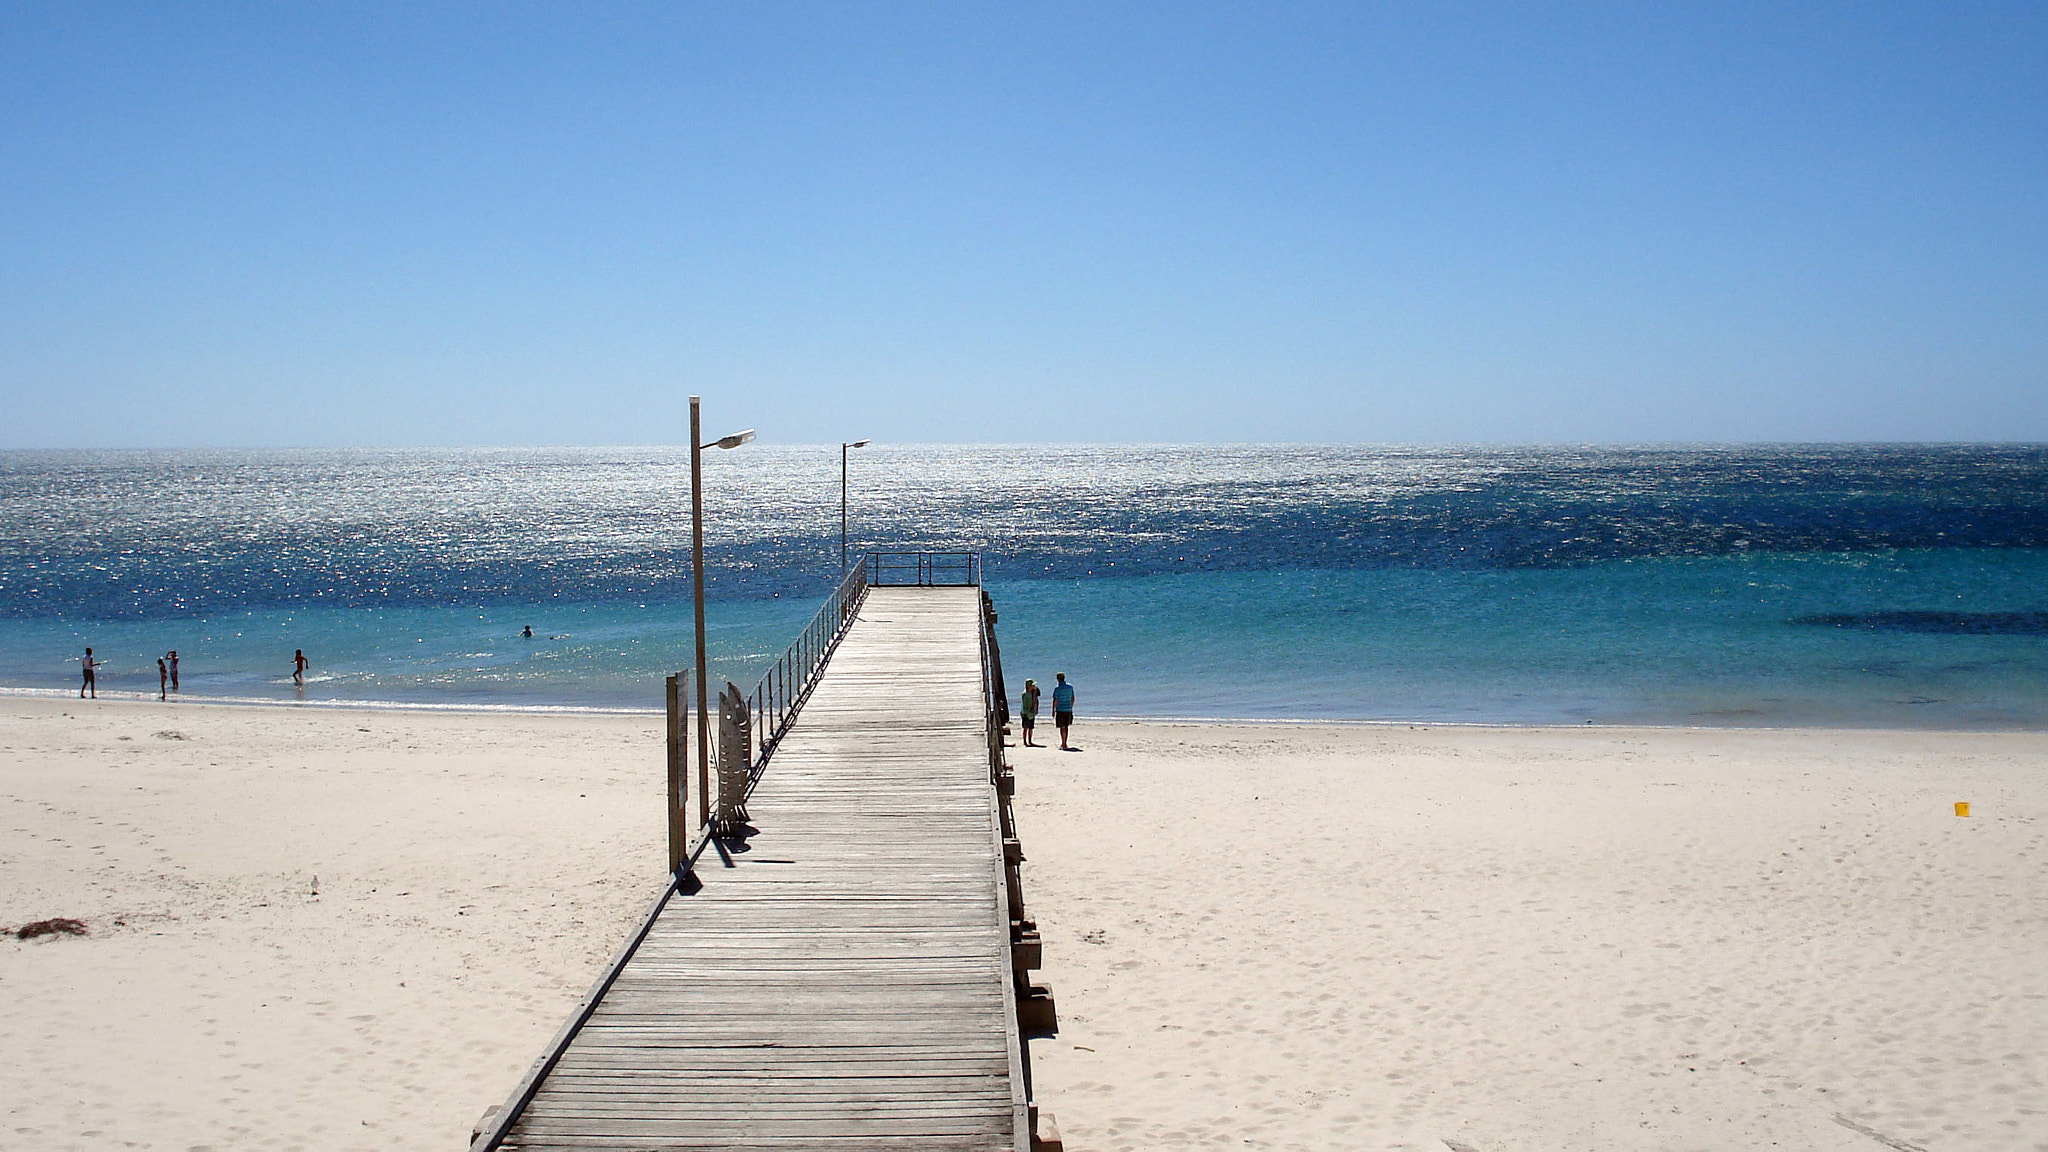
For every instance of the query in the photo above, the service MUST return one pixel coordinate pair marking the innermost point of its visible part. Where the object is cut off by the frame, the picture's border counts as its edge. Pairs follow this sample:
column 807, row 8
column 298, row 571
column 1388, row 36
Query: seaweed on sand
column 60, row 926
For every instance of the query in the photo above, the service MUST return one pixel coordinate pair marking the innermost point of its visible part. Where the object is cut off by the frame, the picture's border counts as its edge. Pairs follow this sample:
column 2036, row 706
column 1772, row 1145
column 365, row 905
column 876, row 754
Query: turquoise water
column 1887, row 585
column 1667, row 641
column 580, row 655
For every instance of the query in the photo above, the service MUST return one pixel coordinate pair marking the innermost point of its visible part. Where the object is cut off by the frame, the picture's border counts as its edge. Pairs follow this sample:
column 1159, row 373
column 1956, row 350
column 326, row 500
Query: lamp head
column 734, row 440
column 858, row 444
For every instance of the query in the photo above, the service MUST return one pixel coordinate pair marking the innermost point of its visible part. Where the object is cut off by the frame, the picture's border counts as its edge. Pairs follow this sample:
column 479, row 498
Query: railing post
column 704, row 771
column 678, row 831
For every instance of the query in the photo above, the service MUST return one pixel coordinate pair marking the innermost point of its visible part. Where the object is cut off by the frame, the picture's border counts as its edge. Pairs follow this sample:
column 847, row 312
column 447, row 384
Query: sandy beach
column 337, row 929
column 474, row 871
column 1520, row 939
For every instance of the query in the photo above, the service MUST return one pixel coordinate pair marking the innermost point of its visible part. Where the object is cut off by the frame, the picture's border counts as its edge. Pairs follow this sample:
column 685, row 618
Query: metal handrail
column 773, row 705
column 925, row 569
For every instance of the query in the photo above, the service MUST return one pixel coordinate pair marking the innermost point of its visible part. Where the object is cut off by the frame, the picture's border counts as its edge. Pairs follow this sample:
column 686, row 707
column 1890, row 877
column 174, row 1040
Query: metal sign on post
column 735, row 760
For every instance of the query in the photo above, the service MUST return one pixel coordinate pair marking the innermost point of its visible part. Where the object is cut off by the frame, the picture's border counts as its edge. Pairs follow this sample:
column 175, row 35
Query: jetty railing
column 773, row 704
column 925, row 569
column 775, row 700
column 762, row 716
column 759, row 719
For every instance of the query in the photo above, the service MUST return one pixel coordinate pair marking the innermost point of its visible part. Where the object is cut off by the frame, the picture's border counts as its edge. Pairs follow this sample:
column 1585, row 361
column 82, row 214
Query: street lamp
column 843, row 446
column 697, row 447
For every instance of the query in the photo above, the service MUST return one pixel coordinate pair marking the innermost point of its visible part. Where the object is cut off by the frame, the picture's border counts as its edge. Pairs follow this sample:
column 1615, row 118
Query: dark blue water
column 1778, row 585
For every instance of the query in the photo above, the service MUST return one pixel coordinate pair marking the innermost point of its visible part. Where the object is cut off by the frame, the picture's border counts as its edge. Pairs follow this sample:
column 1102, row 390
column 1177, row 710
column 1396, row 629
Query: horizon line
column 877, row 442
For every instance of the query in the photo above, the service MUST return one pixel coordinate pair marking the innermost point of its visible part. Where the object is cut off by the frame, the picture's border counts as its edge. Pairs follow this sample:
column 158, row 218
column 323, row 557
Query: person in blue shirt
column 1063, row 708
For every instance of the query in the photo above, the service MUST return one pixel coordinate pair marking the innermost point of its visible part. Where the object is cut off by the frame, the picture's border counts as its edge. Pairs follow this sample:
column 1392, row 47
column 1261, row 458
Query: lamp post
column 843, row 446
column 697, row 447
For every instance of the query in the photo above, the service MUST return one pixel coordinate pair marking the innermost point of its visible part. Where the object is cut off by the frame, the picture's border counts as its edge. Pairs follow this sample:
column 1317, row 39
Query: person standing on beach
column 1030, row 710
column 163, row 680
column 299, row 663
column 91, row 682
column 174, row 669
column 1063, row 707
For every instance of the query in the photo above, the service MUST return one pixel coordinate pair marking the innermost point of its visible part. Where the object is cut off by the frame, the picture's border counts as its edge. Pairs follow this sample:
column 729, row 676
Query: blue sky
column 271, row 224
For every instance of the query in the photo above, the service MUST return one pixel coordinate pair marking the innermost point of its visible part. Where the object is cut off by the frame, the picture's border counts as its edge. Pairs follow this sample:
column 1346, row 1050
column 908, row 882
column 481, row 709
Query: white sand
column 1261, row 937
column 1517, row 939
column 475, row 871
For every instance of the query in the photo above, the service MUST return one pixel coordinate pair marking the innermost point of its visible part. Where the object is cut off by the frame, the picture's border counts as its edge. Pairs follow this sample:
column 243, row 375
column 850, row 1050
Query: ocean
column 1895, row 585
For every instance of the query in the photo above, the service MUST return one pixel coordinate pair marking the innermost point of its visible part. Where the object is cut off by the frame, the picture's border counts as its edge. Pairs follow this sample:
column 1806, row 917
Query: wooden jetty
column 851, row 973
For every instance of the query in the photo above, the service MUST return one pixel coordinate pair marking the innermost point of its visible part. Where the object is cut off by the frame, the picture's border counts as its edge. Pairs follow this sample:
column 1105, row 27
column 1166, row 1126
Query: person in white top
column 91, row 681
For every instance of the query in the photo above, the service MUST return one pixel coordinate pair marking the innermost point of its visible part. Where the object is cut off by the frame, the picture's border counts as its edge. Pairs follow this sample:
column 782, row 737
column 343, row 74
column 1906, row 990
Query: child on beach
column 1030, row 714
column 163, row 680
column 299, row 663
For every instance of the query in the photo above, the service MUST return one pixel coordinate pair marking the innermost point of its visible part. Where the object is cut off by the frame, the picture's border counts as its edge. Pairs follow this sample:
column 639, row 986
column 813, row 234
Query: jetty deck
column 844, row 977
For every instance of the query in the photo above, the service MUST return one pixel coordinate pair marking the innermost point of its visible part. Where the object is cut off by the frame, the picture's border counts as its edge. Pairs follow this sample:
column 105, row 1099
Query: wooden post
column 678, row 832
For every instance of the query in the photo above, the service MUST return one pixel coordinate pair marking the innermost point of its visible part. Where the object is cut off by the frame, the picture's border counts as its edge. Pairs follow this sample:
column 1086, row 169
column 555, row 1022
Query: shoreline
column 485, row 709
